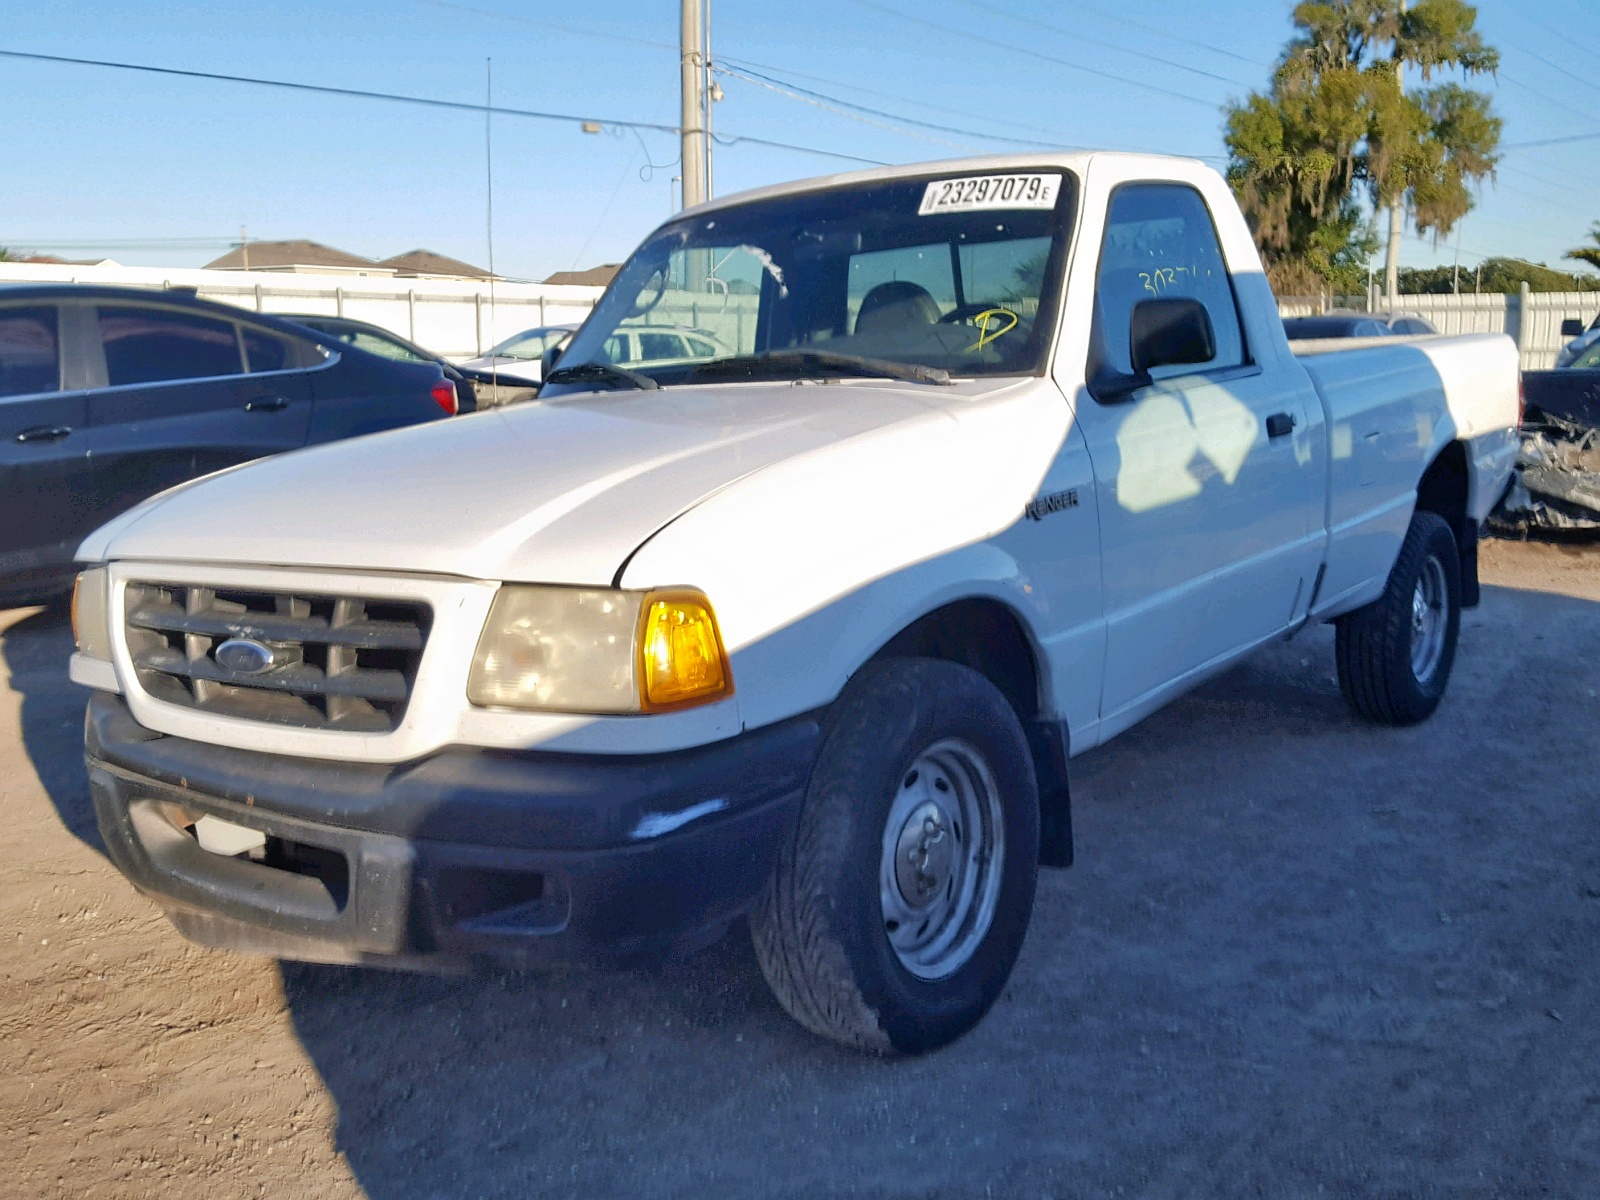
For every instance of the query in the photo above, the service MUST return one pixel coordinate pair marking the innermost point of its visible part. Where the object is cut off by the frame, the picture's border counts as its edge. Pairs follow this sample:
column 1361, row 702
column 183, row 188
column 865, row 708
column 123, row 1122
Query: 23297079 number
column 978, row 193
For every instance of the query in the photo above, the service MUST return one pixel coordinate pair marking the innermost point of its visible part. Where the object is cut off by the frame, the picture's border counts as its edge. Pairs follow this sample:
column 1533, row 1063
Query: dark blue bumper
column 466, row 854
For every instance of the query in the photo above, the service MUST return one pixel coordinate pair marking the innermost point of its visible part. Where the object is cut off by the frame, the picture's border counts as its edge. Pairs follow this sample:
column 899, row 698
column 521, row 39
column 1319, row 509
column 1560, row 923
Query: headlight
column 583, row 650
column 91, row 629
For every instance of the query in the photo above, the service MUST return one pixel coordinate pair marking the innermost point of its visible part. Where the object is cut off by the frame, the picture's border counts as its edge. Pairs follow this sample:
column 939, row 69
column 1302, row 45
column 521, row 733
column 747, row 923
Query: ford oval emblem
column 245, row 657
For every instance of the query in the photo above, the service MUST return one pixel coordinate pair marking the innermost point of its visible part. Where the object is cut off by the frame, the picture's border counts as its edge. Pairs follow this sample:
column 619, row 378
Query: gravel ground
column 1298, row 957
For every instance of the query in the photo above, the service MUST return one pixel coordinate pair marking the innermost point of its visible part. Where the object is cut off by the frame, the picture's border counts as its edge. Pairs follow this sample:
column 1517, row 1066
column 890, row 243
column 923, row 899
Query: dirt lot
column 1298, row 957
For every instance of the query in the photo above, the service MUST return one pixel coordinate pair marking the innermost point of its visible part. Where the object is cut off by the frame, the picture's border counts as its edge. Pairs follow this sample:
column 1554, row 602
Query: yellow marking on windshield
column 987, row 318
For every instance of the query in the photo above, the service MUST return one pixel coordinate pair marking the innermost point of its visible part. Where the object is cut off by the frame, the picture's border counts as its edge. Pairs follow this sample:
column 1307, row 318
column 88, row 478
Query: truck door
column 1207, row 500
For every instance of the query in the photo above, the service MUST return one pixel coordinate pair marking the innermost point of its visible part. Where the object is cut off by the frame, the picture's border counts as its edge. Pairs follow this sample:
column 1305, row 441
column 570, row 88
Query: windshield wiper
column 599, row 372
column 804, row 361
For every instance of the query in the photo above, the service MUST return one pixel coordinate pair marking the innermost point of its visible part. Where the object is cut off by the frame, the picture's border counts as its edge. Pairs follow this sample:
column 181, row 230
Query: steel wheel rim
column 1428, row 620
column 942, row 858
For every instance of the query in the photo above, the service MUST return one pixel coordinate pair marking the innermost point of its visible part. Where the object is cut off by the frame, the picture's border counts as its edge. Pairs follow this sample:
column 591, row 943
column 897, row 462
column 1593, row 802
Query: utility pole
column 692, row 55
column 1455, row 286
column 1397, row 210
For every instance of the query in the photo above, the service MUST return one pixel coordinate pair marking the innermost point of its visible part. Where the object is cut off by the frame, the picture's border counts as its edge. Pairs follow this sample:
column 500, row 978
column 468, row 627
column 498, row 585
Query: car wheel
column 1395, row 654
column 900, row 901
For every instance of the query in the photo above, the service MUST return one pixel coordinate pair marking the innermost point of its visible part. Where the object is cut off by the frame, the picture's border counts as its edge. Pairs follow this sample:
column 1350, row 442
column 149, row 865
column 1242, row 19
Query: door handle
column 267, row 404
column 44, row 433
column 1280, row 425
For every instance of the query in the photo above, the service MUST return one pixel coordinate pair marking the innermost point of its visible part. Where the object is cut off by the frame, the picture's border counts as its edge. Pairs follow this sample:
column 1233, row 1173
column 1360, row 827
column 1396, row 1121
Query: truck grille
column 336, row 662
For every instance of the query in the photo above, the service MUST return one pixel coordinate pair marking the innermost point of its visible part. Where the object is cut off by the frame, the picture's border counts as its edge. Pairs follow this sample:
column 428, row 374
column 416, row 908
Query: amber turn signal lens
column 681, row 659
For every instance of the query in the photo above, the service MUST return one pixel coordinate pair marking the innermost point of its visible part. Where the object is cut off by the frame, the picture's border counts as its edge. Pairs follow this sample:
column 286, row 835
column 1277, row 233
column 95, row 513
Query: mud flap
column 1050, row 744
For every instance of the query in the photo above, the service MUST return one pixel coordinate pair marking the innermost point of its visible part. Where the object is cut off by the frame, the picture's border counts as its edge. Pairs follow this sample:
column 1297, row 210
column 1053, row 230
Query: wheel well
column 1443, row 490
column 988, row 637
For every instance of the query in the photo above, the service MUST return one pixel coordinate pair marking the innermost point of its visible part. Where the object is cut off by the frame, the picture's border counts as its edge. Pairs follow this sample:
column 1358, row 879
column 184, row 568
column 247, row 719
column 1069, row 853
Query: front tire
column 899, row 904
column 1395, row 655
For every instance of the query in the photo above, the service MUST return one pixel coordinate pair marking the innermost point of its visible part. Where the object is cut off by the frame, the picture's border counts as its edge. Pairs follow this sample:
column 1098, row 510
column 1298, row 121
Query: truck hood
column 559, row 492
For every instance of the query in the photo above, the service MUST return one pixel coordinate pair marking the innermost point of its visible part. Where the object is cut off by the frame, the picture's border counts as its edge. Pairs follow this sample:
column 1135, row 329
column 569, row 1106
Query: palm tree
column 1589, row 254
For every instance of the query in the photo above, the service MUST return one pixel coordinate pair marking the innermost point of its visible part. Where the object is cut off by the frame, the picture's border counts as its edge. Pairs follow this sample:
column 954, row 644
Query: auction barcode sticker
column 980, row 193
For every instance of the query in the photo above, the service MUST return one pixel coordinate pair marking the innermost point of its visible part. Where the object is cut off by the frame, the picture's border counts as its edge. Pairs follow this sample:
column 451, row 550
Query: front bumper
column 467, row 854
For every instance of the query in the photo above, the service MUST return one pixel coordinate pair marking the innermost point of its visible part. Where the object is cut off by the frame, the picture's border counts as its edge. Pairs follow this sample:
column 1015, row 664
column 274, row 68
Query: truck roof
column 1077, row 161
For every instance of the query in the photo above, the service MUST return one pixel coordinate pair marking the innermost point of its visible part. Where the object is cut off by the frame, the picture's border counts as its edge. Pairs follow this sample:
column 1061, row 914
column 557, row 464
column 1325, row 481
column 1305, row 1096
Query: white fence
column 1532, row 318
column 458, row 319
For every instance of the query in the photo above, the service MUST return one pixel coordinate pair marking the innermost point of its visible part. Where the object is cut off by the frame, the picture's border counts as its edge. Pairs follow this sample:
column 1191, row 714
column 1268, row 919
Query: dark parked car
column 109, row 395
column 375, row 339
column 1570, row 393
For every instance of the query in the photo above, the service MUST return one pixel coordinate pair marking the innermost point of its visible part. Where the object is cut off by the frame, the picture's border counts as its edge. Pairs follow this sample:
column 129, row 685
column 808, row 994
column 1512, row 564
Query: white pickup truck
column 992, row 459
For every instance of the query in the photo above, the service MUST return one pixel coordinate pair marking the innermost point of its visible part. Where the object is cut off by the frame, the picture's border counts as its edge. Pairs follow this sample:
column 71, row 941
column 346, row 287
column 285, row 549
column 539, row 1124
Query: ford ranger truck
column 975, row 465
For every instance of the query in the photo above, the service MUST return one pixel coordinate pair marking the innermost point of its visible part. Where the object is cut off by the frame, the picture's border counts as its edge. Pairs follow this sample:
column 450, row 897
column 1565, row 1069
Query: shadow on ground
column 36, row 648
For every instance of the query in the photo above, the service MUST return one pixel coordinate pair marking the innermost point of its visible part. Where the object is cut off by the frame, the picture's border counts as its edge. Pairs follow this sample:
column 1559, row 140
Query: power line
column 969, row 36
column 556, row 26
column 750, row 64
column 1554, row 66
column 423, row 101
column 1524, row 173
column 1173, row 37
column 1577, row 112
column 757, row 68
column 1566, row 35
column 1084, row 37
column 787, row 77
column 835, row 104
column 1556, row 141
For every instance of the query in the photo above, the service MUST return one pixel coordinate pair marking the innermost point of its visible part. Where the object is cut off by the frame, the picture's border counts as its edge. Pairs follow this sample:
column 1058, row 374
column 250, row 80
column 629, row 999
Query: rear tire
column 899, row 904
column 1395, row 655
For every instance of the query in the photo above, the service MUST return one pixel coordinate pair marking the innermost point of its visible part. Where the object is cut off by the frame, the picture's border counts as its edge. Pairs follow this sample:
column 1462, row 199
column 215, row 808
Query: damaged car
column 1556, row 487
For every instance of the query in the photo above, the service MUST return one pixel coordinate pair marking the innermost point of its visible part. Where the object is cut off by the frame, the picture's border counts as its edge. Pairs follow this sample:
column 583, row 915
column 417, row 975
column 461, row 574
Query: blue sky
column 101, row 157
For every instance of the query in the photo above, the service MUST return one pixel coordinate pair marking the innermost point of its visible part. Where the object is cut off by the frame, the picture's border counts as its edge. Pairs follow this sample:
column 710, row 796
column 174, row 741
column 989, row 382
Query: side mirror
column 1571, row 328
column 547, row 360
column 1171, row 332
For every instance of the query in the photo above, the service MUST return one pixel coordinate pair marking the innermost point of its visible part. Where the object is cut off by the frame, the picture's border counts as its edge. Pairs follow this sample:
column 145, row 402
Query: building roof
column 431, row 263
column 593, row 277
column 294, row 255
column 57, row 261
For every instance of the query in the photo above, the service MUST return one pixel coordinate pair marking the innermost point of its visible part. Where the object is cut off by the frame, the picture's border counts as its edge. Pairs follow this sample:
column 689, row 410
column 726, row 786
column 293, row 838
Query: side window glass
column 148, row 345
column 30, row 359
column 660, row 345
column 264, row 351
column 1160, row 241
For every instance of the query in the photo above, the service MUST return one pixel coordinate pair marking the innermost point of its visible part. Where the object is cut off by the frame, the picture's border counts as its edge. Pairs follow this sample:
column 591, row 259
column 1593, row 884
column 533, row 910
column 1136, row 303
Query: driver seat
column 896, row 306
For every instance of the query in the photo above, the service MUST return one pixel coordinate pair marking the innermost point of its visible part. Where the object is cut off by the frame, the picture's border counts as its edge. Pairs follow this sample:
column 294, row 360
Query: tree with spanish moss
column 1337, row 137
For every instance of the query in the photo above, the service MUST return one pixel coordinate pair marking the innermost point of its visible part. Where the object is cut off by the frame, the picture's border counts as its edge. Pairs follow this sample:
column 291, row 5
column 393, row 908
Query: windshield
column 530, row 344
column 958, row 275
column 372, row 343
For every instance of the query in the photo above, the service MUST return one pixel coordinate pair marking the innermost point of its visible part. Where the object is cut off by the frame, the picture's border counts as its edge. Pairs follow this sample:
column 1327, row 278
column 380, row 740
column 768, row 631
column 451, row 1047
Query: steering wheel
column 965, row 312
column 993, row 321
